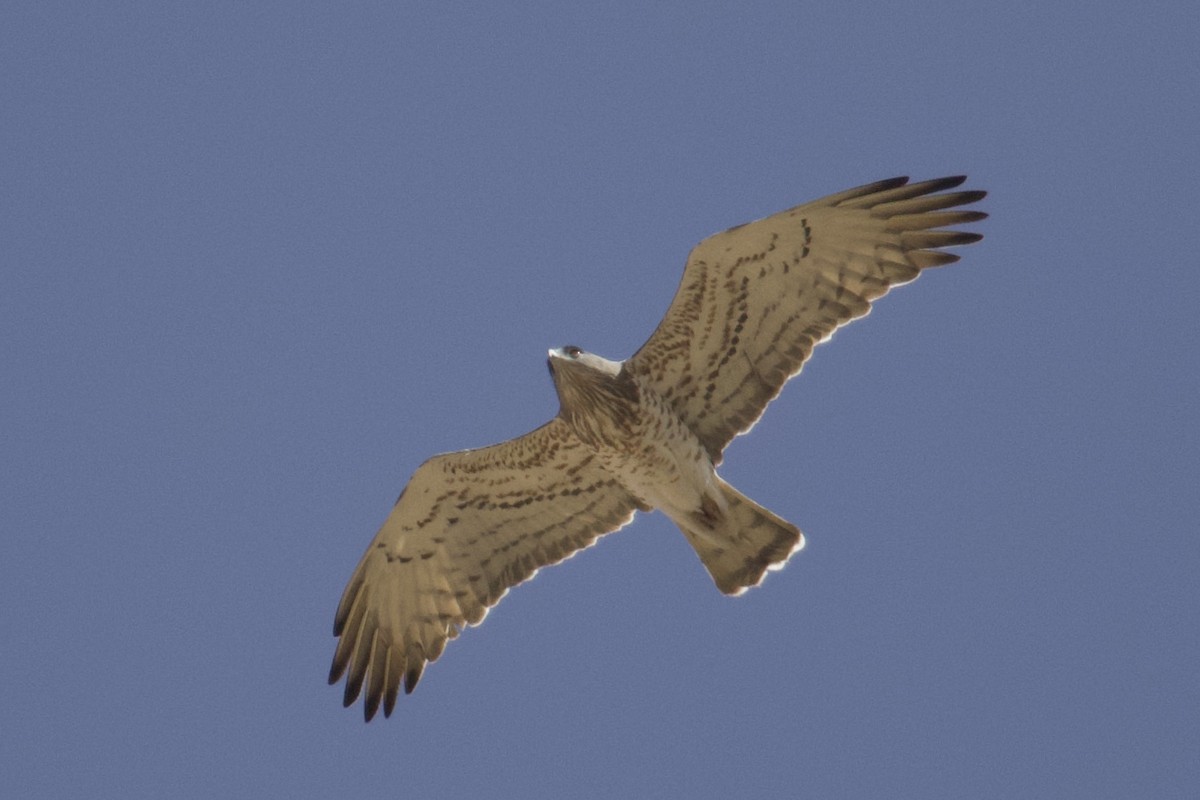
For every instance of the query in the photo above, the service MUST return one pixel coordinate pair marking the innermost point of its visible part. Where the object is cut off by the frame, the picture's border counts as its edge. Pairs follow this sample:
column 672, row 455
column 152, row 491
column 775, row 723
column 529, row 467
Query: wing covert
column 467, row 527
column 754, row 300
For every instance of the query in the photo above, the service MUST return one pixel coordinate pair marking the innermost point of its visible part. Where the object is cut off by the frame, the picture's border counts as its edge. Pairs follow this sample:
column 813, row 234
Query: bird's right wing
column 468, row 526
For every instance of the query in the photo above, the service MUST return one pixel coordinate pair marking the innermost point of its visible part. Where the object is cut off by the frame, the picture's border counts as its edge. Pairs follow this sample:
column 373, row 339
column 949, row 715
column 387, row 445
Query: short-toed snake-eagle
column 639, row 434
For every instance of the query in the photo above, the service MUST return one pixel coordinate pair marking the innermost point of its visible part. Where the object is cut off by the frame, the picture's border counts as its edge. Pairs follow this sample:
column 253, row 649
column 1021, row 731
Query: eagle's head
column 590, row 387
column 575, row 360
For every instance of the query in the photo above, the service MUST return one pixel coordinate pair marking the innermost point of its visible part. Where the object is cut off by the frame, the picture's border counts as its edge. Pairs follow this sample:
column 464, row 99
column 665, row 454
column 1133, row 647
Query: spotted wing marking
column 469, row 526
column 755, row 299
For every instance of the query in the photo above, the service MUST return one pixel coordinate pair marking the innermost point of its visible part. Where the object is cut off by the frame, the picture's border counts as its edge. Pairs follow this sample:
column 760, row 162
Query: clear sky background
column 262, row 259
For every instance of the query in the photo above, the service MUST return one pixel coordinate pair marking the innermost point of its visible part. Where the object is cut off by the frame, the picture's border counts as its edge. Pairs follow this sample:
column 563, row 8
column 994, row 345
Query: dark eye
column 572, row 350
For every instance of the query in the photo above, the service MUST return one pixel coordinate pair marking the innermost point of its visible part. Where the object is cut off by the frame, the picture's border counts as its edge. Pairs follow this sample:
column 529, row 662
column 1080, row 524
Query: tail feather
column 741, row 542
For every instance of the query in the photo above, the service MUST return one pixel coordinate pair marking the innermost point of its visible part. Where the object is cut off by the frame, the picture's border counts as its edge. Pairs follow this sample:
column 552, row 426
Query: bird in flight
column 640, row 434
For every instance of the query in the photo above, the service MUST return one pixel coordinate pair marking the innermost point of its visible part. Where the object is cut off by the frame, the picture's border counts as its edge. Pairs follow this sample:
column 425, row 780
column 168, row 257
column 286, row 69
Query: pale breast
column 661, row 462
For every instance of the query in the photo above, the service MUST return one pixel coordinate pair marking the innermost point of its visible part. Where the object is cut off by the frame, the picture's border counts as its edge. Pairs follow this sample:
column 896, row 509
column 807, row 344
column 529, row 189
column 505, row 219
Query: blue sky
column 262, row 259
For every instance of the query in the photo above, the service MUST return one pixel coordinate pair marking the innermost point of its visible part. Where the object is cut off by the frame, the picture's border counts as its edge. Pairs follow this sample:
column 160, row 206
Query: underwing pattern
column 642, row 434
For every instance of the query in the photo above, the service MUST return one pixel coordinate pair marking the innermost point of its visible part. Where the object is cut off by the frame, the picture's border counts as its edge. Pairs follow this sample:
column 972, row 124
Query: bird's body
column 639, row 438
column 640, row 434
column 634, row 433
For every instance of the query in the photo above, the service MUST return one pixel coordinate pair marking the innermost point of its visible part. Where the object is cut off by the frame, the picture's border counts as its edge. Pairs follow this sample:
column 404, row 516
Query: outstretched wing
column 756, row 299
column 468, row 526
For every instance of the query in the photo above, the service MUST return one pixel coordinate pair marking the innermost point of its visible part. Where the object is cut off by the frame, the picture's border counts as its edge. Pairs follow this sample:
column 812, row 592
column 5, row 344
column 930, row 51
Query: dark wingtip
column 887, row 184
column 370, row 707
column 353, row 689
column 337, row 668
column 962, row 217
column 411, row 677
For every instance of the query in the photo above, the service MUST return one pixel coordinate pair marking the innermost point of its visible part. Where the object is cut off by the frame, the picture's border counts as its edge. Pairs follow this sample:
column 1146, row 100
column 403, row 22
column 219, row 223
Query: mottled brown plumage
column 640, row 434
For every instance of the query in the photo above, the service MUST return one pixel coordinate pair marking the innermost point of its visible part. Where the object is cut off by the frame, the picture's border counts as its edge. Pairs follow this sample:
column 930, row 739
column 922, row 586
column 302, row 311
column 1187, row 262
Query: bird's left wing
column 468, row 526
column 756, row 299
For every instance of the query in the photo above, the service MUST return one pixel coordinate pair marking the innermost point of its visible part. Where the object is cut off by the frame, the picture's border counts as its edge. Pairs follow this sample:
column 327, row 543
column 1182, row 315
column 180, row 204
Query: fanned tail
column 740, row 543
